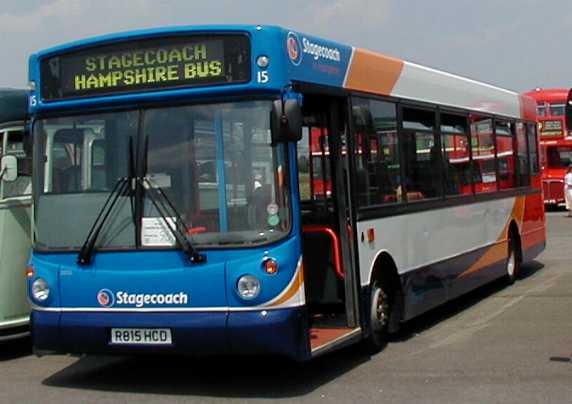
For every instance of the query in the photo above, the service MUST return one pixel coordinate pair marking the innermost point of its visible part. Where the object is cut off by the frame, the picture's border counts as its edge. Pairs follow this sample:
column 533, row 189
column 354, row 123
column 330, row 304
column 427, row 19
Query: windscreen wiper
column 163, row 205
column 122, row 187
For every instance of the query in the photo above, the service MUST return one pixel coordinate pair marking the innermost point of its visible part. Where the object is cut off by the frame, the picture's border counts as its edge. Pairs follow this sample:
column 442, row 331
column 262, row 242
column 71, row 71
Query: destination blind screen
column 147, row 65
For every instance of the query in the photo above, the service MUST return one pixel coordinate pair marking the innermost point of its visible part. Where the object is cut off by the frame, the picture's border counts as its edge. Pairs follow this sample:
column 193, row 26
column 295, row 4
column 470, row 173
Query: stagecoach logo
column 294, row 48
column 297, row 48
column 105, row 298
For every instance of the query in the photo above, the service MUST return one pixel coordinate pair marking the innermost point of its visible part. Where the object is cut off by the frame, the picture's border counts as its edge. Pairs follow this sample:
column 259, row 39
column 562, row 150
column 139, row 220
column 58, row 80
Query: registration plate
column 141, row 336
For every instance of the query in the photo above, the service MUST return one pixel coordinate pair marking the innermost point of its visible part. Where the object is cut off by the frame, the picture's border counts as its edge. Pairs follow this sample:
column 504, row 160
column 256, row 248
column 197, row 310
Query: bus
column 555, row 141
column 176, row 210
column 15, row 215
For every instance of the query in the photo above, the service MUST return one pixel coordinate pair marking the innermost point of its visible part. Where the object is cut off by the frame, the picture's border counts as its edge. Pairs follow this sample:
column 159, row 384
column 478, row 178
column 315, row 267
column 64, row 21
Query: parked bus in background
column 176, row 209
column 15, row 214
column 555, row 141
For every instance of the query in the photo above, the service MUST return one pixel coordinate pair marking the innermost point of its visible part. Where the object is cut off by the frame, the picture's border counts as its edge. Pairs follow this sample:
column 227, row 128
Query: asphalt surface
column 498, row 344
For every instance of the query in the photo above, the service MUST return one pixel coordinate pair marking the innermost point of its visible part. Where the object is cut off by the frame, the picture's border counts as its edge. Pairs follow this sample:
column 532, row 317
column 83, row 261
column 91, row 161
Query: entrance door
column 330, row 275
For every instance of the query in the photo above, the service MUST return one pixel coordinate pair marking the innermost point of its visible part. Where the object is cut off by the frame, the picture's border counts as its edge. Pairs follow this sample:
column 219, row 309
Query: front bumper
column 279, row 332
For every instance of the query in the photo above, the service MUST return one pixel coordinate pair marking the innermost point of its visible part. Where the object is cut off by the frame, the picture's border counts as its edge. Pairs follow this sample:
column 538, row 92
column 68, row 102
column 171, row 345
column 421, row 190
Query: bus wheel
column 512, row 261
column 378, row 318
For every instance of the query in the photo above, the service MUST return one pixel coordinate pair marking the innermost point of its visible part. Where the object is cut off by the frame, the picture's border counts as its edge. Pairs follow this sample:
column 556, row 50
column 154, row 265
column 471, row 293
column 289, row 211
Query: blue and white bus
column 174, row 202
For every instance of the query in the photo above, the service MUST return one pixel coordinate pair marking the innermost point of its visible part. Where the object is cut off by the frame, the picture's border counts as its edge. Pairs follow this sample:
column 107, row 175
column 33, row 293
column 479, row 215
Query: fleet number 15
column 262, row 77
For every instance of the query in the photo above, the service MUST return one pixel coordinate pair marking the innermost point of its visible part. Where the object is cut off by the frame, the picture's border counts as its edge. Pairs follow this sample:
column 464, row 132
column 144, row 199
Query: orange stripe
column 493, row 255
column 499, row 251
column 373, row 72
column 518, row 211
column 296, row 285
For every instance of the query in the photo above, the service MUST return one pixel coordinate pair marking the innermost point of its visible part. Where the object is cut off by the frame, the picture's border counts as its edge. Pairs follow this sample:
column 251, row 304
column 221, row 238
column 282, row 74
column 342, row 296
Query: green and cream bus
column 15, row 213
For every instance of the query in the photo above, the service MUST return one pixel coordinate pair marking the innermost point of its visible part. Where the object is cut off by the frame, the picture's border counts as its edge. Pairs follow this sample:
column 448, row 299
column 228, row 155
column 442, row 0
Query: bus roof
column 302, row 58
column 549, row 94
column 13, row 104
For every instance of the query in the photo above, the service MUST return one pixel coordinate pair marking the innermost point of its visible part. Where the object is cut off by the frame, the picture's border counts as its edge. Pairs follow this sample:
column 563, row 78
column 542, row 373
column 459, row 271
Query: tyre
column 378, row 321
column 512, row 265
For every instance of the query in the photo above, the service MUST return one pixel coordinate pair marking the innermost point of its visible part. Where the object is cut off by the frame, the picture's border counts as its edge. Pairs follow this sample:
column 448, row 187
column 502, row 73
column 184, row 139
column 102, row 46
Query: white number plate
column 141, row 336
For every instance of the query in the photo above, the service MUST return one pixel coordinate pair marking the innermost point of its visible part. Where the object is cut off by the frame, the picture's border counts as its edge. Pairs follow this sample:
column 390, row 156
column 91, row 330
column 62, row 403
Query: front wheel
column 380, row 310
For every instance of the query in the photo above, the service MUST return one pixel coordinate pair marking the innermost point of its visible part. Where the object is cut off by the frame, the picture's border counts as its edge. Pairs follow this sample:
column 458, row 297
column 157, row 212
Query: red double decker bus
column 555, row 141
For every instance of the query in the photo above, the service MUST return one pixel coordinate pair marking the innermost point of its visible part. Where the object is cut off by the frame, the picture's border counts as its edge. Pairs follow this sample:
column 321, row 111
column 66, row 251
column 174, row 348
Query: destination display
column 147, row 65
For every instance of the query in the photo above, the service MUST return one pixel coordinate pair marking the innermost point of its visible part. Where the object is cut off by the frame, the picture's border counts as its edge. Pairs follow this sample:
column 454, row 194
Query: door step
column 324, row 339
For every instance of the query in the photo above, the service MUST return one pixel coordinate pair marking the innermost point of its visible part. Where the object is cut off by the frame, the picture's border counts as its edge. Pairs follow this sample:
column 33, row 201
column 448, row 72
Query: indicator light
column 270, row 266
column 370, row 235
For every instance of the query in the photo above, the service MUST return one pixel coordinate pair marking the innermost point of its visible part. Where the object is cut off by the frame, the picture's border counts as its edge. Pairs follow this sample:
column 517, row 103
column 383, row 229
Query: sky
column 515, row 44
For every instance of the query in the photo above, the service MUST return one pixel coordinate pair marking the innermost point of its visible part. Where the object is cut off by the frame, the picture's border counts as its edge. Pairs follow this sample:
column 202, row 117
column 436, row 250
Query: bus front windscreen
column 559, row 156
column 215, row 163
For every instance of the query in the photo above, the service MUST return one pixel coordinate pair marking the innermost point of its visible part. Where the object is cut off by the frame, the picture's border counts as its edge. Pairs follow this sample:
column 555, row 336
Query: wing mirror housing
column 9, row 171
column 286, row 121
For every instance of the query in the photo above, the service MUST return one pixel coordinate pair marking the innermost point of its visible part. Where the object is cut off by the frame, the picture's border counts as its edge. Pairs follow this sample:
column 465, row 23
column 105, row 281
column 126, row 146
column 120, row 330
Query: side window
column 422, row 157
column 376, row 152
column 522, row 155
column 557, row 109
column 505, row 154
column 14, row 145
column 456, row 157
column 533, row 148
column 483, row 148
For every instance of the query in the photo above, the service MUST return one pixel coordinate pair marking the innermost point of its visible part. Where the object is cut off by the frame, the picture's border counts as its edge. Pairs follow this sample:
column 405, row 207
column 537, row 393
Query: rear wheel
column 380, row 310
column 512, row 261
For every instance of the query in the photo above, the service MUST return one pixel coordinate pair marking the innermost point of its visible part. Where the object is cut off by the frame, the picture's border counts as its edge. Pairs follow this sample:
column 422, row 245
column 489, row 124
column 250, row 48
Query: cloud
column 345, row 19
column 512, row 46
column 17, row 22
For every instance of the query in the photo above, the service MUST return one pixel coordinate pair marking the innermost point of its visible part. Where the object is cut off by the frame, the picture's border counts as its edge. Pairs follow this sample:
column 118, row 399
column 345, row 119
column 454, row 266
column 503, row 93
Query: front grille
column 553, row 191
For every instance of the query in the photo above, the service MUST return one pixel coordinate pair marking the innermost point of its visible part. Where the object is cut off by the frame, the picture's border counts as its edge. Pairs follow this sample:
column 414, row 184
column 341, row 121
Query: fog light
column 40, row 290
column 248, row 287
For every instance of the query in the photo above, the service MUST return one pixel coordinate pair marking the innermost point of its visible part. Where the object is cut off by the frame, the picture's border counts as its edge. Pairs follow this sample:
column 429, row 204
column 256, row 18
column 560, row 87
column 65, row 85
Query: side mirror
column 286, row 123
column 9, row 171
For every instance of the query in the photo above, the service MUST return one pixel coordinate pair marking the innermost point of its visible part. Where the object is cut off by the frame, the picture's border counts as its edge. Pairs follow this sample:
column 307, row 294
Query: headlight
column 40, row 290
column 248, row 287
